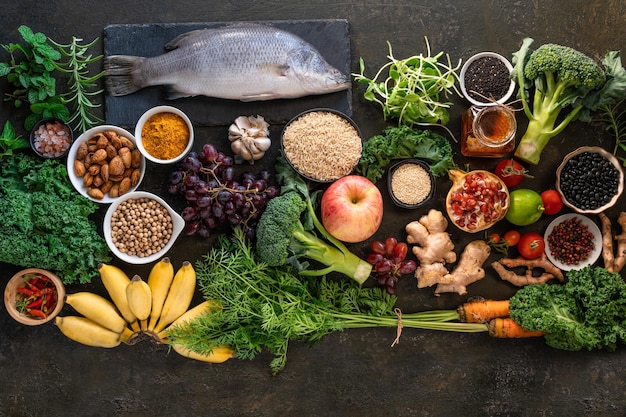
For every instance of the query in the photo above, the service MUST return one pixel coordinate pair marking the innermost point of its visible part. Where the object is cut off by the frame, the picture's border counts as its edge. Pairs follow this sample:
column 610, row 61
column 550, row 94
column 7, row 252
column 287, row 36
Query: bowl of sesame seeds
column 140, row 227
column 322, row 144
column 485, row 79
column 410, row 183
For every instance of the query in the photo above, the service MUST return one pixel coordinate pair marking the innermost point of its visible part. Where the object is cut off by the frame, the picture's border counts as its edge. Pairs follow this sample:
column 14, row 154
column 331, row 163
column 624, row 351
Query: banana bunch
column 136, row 307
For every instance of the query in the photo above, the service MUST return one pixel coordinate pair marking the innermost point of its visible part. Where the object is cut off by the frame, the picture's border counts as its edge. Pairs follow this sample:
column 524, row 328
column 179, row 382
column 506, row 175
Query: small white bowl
column 77, row 181
column 178, row 224
column 464, row 68
column 597, row 241
column 142, row 121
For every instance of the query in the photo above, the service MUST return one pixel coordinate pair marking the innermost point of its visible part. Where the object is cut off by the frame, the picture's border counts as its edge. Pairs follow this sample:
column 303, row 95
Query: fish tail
column 121, row 74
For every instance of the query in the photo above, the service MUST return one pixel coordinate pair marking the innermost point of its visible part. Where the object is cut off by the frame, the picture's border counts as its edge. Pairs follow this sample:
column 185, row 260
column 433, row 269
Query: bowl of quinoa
column 141, row 227
column 410, row 183
column 322, row 145
column 51, row 138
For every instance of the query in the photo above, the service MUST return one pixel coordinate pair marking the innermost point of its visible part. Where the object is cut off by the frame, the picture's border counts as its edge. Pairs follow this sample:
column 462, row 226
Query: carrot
column 480, row 311
column 506, row 328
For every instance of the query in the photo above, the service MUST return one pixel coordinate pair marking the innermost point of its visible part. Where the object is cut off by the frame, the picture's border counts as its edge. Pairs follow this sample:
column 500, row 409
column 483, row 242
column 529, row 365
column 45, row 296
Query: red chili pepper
column 25, row 291
column 37, row 313
column 36, row 303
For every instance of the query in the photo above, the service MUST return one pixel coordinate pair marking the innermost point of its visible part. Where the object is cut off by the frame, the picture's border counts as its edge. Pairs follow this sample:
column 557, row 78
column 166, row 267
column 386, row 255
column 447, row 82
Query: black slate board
column 330, row 37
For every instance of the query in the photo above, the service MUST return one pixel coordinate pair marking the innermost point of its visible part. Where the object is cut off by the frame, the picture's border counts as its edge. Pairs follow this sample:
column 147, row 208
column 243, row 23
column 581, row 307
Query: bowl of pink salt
column 51, row 138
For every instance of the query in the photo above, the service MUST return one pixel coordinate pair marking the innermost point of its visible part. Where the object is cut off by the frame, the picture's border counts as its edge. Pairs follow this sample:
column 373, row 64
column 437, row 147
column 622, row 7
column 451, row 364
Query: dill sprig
column 262, row 307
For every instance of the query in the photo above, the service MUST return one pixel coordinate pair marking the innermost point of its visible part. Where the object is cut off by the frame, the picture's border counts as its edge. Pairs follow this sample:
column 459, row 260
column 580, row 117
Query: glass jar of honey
column 488, row 131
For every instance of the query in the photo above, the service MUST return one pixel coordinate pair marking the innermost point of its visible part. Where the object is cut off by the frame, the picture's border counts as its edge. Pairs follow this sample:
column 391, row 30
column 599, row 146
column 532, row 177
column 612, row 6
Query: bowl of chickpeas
column 140, row 227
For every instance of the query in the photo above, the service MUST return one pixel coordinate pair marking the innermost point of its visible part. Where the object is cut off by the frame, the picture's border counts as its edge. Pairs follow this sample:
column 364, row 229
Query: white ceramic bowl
column 77, row 182
column 597, row 241
column 178, row 225
column 611, row 158
column 464, row 68
column 142, row 121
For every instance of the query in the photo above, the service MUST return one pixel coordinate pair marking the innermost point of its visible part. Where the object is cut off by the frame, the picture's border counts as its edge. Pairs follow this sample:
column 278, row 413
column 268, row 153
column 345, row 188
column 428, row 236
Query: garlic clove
column 263, row 143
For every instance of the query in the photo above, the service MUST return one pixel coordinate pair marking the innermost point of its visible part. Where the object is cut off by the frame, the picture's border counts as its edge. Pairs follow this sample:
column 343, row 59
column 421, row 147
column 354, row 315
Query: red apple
column 352, row 209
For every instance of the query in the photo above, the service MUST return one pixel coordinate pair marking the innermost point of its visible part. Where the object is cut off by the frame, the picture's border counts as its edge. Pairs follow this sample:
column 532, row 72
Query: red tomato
column 552, row 202
column 511, row 238
column 531, row 245
column 511, row 172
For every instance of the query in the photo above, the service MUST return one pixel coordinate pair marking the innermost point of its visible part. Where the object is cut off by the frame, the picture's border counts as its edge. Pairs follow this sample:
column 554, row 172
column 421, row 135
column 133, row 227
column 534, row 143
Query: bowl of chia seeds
column 486, row 79
column 590, row 180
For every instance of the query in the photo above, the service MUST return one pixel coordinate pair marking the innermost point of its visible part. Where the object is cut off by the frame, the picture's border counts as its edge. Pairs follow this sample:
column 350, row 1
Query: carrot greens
column 263, row 307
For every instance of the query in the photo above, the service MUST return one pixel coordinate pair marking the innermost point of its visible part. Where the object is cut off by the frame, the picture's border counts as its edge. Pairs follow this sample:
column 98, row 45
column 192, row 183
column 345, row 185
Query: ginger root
column 433, row 249
column 613, row 263
column 550, row 271
column 468, row 270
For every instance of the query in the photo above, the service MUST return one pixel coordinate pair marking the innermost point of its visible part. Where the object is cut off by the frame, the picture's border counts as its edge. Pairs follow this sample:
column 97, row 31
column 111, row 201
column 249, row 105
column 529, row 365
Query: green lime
column 526, row 207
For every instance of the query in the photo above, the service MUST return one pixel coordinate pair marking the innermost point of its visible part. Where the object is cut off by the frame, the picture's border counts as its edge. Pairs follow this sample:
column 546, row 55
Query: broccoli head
column 554, row 78
column 587, row 312
column 282, row 238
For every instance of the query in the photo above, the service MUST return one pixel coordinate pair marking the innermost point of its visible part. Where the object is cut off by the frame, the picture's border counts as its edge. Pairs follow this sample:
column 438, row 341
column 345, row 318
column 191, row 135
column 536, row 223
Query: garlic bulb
column 249, row 138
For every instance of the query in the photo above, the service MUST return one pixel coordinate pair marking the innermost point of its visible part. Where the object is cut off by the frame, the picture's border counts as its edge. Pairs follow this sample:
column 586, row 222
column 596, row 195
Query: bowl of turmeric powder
column 164, row 134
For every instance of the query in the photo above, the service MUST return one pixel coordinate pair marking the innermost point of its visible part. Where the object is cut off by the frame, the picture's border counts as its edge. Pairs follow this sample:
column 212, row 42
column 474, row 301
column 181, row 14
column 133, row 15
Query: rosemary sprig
column 81, row 84
column 614, row 117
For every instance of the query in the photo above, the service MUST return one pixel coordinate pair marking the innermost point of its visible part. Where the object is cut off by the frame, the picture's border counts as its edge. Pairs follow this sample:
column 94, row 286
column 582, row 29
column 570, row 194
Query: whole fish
column 244, row 62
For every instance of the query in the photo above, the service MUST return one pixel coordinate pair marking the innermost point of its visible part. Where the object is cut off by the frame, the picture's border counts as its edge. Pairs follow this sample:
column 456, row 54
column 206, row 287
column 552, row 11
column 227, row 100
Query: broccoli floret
column 282, row 238
column 587, row 312
column 557, row 77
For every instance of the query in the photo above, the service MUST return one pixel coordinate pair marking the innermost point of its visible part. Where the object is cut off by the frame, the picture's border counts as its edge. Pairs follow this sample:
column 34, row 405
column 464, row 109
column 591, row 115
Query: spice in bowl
column 485, row 79
column 165, row 135
column 322, row 145
column 410, row 183
column 51, row 138
column 34, row 296
column 571, row 240
column 141, row 227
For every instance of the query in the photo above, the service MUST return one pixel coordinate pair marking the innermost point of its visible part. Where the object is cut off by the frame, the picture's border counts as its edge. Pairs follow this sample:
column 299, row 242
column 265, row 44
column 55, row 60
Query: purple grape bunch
column 214, row 195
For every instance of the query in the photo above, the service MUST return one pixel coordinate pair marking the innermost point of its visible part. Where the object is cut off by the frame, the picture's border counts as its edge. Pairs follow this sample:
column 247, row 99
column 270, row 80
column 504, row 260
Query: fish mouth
column 337, row 82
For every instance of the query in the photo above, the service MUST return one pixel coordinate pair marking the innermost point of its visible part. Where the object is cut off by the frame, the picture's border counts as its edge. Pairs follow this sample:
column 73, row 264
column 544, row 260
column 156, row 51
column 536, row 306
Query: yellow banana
column 139, row 298
column 97, row 309
column 115, row 281
column 189, row 315
column 82, row 330
column 159, row 280
column 179, row 296
column 218, row 355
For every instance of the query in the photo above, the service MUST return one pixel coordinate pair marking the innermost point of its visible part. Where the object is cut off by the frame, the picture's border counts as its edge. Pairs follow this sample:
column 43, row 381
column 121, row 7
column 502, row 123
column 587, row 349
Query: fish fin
column 171, row 93
column 119, row 74
column 277, row 69
column 183, row 39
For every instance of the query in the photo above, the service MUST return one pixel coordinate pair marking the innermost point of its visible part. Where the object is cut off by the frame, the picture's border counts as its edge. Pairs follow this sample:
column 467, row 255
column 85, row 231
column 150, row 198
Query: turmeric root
column 481, row 310
column 550, row 271
column 468, row 270
column 613, row 263
column 506, row 328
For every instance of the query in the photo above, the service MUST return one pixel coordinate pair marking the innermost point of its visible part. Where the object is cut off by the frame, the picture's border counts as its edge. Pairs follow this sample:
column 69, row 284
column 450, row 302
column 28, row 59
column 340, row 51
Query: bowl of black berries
column 590, row 180
column 485, row 79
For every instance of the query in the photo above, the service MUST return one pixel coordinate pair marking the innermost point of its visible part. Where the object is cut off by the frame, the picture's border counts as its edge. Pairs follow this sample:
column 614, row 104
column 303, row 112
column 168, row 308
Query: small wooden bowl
column 11, row 295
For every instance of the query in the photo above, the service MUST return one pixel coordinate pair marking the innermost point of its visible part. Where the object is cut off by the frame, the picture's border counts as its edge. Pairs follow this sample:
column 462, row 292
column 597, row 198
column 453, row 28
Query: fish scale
column 246, row 62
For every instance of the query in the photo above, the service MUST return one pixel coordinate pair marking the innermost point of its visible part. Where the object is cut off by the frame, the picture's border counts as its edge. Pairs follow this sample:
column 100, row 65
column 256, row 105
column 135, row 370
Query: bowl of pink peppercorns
column 51, row 138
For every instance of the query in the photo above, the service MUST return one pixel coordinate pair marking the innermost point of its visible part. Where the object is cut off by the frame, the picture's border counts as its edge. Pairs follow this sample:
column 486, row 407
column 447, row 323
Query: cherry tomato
column 531, row 245
column 494, row 238
column 511, row 238
column 552, row 202
column 510, row 172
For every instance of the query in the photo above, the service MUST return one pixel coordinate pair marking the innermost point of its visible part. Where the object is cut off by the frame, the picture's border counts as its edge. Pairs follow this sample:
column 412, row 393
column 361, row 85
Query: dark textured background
column 354, row 373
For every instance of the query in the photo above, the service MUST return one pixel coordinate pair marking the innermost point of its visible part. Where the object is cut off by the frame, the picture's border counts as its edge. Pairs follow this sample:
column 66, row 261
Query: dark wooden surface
column 354, row 373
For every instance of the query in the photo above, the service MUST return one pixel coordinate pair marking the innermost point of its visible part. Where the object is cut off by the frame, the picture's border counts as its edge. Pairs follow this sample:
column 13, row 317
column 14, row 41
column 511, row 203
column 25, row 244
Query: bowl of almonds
column 104, row 163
